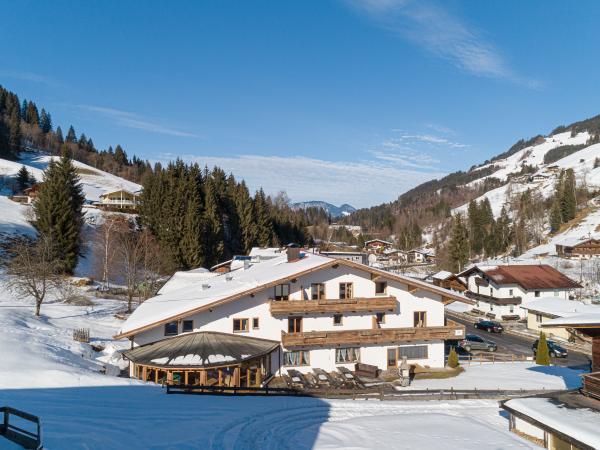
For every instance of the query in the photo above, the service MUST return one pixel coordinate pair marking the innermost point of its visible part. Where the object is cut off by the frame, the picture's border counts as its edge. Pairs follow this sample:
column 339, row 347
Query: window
column 491, row 291
column 512, row 308
column 510, row 292
column 188, row 325
column 378, row 320
column 420, row 319
column 317, row 291
column 171, row 329
column 556, row 293
column 294, row 324
column 337, row 319
column 538, row 318
column 255, row 323
column 477, row 303
column 537, row 293
column 392, row 357
column 240, row 325
column 413, row 352
column 282, row 292
column 491, row 307
column 380, row 287
column 298, row 358
column 347, row 355
column 346, row 290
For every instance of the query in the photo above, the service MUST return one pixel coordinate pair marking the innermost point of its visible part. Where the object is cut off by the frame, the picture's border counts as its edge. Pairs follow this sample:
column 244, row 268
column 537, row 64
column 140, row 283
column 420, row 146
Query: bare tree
column 104, row 246
column 35, row 272
column 137, row 256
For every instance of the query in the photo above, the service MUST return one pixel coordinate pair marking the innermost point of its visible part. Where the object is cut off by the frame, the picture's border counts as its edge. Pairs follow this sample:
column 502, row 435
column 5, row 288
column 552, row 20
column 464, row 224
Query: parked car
column 473, row 342
column 489, row 326
column 555, row 350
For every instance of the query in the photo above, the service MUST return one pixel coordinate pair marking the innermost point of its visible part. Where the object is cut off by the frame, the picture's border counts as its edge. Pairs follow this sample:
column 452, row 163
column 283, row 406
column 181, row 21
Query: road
column 519, row 345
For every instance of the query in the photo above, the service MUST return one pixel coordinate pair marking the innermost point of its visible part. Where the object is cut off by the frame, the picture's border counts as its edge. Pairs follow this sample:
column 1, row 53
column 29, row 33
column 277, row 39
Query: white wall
column 221, row 317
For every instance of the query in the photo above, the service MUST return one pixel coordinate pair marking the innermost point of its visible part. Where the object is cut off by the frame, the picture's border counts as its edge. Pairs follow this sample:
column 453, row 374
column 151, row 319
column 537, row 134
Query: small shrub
column 542, row 356
column 453, row 359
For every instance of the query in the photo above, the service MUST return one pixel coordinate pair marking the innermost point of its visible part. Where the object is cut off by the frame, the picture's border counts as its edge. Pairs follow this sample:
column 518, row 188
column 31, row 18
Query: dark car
column 554, row 350
column 474, row 342
column 489, row 326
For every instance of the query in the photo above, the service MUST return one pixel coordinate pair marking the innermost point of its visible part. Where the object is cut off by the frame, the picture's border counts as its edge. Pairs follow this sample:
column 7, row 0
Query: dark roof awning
column 200, row 349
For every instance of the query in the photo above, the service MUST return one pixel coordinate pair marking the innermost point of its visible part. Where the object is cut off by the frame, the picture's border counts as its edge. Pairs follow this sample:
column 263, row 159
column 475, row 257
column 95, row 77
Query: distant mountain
column 334, row 211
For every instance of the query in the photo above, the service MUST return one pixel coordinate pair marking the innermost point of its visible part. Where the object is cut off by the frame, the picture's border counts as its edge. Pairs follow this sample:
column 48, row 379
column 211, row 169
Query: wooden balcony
column 591, row 384
column 451, row 330
column 349, row 305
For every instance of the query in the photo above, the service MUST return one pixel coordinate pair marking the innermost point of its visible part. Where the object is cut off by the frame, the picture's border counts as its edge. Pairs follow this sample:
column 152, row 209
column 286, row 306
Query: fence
column 493, row 357
column 81, row 335
column 26, row 439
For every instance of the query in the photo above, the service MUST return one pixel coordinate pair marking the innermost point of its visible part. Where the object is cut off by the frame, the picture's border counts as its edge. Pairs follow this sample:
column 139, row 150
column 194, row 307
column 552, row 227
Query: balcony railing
column 375, row 304
column 451, row 330
column 591, row 384
column 494, row 300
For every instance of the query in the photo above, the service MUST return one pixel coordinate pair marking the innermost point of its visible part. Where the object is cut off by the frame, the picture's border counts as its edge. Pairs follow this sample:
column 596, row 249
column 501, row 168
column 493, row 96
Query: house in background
column 564, row 419
column 578, row 248
column 298, row 310
column 378, row 245
column 500, row 291
column 540, row 312
column 357, row 257
column 121, row 199
column 448, row 280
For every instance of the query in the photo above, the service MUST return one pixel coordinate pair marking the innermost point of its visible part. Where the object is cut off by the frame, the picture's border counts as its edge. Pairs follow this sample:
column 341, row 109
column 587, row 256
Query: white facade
column 253, row 313
column 504, row 291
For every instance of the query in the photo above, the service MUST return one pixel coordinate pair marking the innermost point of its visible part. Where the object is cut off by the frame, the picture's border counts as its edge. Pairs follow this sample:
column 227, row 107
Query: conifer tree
column 542, row 355
column 459, row 244
column 32, row 116
column 453, row 358
column 568, row 199
column 45, row 121
column 58, row 211
column 191, row 242
column 555, row 216
column 71, row 136
column 247, row 221
column 213, row 231
column 24, row 178
column 59, row 135
column 264, row 224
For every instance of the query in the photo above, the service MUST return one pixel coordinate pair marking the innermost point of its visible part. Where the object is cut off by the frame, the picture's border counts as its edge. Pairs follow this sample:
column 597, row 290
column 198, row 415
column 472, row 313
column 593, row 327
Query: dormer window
column 346, row 291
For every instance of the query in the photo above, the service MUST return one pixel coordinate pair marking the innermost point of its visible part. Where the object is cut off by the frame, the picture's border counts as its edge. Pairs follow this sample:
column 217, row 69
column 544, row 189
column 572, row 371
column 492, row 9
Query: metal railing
column 25, row 438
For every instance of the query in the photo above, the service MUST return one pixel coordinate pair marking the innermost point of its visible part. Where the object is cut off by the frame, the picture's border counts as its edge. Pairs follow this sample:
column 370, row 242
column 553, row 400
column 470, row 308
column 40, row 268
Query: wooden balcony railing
column 451, row 330
column 591, row 384
column 375, row 304
column 500, row 301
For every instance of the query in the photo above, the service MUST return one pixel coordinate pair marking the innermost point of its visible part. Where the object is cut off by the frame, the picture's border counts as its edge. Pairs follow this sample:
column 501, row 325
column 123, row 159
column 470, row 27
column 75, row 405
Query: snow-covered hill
column 332, row 210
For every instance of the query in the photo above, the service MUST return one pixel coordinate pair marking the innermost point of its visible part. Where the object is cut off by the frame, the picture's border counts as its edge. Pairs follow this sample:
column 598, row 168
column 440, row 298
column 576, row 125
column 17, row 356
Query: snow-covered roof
column 190, row 276
column 578, row 423
column 442, row 275
column 192, row 293
column 561, row 307
column 578, row 320
column 266, row 252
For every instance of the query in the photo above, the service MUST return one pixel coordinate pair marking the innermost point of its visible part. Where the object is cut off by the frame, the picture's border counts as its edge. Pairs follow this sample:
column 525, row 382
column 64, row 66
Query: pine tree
column 24, row 178
column 555, row 216
column 542, row 355
column 214, row 245
column 191, row 242
column 568, row 198
column 32, row 116
column 23, row 110
column 45, row 121
column 247, row 221
column 264, row 224
column 58, row 211
column 59, row 135
column 459, row 244
column 121, row 156
column 71, row 136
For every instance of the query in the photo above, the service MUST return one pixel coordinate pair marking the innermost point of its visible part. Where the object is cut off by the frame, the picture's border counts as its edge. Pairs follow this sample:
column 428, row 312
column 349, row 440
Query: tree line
column 201, row 217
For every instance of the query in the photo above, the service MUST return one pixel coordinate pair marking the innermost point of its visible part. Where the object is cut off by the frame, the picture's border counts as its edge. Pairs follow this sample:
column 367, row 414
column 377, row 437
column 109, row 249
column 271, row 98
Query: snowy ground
column 517, row 375
column 146, row 418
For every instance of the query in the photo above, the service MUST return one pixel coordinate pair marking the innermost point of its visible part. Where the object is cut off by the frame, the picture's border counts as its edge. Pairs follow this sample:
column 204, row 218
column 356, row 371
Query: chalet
column 32, row 193
column 537, row 178
column 358, row 257
column 564, row 419
column 298, row 310
column 541, row 311
column 420, row 257
column 378, row 245
column 578, row 248
column 121, row 199
column 448, row 280
column 500, row 291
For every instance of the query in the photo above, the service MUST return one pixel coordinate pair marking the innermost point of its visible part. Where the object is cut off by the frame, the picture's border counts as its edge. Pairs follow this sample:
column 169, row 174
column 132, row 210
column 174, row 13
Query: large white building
column 296, row 310
column 500, row 291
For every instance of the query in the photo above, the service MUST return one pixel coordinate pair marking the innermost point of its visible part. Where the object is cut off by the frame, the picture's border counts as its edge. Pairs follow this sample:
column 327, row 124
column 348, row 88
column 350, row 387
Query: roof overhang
column 412, row 285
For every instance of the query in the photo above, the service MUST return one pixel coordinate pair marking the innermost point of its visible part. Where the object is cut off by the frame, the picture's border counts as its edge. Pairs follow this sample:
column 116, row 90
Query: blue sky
column 345, row 101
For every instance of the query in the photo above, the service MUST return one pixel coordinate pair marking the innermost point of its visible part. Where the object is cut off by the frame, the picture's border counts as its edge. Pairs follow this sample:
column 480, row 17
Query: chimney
column 246, row 264
column 293, row 254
